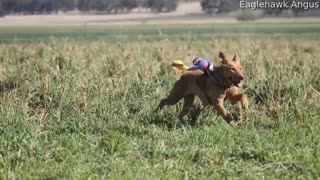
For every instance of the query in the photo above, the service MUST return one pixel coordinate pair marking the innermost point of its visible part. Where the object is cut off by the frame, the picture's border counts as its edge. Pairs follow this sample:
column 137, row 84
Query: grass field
column 78, row 103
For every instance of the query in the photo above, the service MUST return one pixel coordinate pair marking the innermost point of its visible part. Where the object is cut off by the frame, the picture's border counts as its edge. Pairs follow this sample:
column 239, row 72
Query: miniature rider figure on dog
column 202, row 64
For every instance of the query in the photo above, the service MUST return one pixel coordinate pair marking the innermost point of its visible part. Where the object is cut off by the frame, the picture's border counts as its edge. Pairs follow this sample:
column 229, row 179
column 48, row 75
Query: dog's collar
column 217, row 76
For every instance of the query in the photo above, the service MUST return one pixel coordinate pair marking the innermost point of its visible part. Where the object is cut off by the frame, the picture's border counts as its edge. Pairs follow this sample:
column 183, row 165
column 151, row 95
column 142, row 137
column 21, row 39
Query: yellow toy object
column 179, row 66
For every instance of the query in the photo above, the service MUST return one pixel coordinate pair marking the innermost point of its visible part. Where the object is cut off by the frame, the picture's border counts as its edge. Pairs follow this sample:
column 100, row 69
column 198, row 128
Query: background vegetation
column 84, row 108
column 125, row 6
column 95, row 6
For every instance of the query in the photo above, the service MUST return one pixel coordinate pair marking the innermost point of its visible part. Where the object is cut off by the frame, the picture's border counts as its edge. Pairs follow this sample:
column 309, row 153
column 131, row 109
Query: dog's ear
column 236, row 57
column 223, row 57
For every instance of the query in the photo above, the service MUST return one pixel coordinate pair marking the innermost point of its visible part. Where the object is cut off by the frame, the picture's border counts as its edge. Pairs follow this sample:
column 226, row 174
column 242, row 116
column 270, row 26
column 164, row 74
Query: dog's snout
column 241, row 78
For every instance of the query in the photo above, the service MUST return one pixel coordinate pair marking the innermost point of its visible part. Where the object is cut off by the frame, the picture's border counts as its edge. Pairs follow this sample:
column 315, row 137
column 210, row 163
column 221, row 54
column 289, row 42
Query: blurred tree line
column 103, row 6
column 226, row 6
column 125, row 6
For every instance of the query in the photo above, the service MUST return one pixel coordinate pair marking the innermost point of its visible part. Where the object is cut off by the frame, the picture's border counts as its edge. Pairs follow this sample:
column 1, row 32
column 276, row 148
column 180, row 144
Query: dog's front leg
column 240, row 97
column 219, row 106
column 234, row 96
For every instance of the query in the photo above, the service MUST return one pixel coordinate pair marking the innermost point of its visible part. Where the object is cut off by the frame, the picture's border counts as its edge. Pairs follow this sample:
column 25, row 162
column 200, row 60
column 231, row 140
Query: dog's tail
column 179, row 66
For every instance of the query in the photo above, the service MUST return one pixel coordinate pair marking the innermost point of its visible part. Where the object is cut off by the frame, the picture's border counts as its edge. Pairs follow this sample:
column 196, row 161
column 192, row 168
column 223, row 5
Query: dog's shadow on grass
column 165, row 120
column 171, row 121
column 265, row 126
column 249, row 156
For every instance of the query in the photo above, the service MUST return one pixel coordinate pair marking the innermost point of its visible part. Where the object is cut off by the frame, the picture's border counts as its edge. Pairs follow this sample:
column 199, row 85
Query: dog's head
column 232, row 70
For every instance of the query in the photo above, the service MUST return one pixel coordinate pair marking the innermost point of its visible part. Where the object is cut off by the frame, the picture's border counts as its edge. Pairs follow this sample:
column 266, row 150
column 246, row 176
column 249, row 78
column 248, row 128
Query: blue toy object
column 202, row 64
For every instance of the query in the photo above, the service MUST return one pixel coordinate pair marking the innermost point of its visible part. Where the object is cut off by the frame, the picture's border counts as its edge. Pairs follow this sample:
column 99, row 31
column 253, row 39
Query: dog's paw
column 233, row 123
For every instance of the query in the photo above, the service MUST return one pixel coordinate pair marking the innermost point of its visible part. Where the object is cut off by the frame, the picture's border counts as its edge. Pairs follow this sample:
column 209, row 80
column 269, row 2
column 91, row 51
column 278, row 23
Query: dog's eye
column 233, row 69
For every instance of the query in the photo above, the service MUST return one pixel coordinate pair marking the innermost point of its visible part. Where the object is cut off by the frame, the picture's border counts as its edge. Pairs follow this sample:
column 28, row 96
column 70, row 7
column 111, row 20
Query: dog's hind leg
column 187, row 106
column 176, row 94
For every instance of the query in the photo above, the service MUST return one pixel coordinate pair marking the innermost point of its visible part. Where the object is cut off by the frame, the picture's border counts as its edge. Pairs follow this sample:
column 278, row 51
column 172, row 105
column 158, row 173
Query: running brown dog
column 212, row 88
